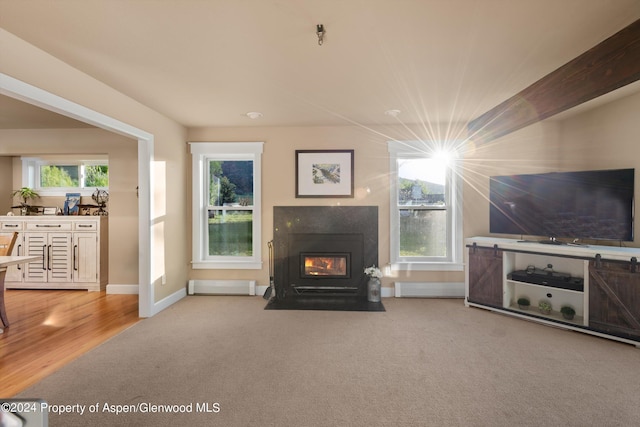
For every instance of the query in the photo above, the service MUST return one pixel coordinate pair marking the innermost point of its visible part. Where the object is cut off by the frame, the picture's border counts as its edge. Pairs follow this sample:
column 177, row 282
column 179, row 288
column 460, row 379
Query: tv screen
column 594, row 205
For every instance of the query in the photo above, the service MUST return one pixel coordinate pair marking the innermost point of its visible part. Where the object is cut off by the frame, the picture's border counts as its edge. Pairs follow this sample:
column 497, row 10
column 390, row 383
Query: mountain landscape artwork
column 326, row 173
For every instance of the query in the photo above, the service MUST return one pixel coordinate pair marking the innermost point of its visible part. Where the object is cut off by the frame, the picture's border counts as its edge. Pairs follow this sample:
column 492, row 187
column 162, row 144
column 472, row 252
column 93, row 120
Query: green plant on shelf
column 568, row 312
column 25, row 194
column 544, row 307
column 523, row 303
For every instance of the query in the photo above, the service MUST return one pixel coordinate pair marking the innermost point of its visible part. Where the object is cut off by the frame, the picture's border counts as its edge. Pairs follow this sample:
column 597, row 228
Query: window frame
column 31, row 173
column 202, row 153
column 453, row 261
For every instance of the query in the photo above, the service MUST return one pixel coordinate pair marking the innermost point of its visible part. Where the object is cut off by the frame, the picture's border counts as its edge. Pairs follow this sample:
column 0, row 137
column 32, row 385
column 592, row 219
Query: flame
column 324, row 266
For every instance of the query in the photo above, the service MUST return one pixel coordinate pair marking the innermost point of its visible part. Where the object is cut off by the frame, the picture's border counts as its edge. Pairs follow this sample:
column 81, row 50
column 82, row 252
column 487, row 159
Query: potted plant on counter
column 524, row 303
column 568, row 312
column 25, row 194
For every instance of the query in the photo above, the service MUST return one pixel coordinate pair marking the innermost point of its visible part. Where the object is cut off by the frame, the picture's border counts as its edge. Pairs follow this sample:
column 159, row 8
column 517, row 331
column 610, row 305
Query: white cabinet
column 85, row 254
column 54, row 252
column 601, row 284
column 72, row 252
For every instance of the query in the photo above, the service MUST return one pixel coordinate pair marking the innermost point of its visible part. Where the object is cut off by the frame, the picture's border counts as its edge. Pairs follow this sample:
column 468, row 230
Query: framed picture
column 49, row 210
column 71, row 204
column 324, row 173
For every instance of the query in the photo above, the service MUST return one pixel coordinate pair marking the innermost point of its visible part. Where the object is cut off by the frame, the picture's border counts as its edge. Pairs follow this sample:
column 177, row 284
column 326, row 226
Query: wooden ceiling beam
column 611, row 64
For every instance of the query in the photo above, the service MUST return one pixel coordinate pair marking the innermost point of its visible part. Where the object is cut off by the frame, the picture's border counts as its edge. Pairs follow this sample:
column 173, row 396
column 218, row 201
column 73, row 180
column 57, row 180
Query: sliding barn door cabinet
column 600, row 283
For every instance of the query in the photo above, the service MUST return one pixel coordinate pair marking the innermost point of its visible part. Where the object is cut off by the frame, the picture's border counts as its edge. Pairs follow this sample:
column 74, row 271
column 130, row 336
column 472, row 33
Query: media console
column 601, row 284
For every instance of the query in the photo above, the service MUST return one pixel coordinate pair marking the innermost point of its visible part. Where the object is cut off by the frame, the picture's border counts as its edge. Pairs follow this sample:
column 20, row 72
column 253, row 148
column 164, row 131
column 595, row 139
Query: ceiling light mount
column 392, row 113
column 254, row 115
column 320, row 33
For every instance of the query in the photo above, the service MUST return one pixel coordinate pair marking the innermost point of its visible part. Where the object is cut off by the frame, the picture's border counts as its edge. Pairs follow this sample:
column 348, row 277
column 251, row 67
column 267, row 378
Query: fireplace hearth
column 320, row 253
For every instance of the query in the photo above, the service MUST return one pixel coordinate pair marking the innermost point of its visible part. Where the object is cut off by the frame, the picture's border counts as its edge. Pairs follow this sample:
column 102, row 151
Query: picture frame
column 71, row 204
column 47, row 210
column 324, row 173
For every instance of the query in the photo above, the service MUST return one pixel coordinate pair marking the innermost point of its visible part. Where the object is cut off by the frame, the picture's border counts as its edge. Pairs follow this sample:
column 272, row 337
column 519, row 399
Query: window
column 57, row 175
column 226, row 205
column 426, row 206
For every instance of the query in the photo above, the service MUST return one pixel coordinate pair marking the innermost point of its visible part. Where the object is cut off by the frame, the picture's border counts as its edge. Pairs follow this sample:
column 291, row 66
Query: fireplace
column 323, row 250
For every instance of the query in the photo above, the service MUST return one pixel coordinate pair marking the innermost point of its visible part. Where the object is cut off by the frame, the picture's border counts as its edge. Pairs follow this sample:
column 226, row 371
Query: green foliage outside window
column 230, row 182
column 230, row 233
column 96, row 176
column 57, row 176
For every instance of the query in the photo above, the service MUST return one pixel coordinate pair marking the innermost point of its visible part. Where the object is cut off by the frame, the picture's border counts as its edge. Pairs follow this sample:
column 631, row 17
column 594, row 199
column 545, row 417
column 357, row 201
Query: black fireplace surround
column 345, row 234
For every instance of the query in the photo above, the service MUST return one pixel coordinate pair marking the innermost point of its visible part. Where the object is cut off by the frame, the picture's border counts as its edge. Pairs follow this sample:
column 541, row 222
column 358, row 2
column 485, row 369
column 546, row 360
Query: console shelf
column 554, row 316
column 607, row 304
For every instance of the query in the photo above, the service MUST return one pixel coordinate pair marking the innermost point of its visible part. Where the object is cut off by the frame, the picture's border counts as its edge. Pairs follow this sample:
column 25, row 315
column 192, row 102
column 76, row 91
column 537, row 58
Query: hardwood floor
column 50, row 328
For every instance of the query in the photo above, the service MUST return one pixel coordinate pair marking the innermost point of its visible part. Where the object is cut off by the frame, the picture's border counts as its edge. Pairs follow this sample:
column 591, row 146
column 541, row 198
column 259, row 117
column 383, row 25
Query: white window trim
column 201, row 152
column 31, row 173
column 416, row 149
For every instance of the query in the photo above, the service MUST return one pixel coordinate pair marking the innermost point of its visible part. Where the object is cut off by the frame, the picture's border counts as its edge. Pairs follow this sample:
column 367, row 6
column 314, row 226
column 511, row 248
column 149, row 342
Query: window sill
column 226, row 265
column 427, row 266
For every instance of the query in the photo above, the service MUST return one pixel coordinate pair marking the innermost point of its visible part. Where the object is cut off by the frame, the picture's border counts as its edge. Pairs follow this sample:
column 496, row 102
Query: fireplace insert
column 322, row 251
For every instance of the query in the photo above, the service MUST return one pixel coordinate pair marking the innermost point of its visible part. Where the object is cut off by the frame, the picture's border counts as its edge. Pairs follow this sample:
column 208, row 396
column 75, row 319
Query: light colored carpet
column 423, row 362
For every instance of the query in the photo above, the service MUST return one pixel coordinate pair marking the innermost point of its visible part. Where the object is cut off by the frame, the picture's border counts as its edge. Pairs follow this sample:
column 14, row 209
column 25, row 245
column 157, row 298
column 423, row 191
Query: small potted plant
column 567, row 312
column 544, row 307
column 524, row 303
column 25, row 194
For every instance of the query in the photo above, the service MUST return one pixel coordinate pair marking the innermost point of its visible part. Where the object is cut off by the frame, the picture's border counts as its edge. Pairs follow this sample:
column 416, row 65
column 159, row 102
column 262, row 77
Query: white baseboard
column 123, row 289
column 222, row 287
column 386, row 292
column 169, row 300
column 429, row 289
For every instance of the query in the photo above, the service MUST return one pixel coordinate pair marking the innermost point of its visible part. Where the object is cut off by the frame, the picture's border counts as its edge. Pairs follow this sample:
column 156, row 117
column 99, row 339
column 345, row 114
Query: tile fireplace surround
column 347, row 232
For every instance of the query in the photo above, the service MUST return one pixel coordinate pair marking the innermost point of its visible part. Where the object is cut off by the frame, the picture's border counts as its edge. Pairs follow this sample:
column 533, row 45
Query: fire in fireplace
column 335, row 265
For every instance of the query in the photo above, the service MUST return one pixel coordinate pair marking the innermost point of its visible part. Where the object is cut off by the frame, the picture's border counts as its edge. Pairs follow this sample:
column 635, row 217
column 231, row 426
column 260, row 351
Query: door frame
column 25, row 92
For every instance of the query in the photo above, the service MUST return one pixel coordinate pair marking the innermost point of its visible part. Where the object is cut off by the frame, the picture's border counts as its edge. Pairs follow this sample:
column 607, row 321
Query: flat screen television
column 595, row 205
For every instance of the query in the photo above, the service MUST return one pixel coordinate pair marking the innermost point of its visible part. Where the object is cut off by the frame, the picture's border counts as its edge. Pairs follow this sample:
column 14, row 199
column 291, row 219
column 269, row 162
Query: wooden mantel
column 610, row 65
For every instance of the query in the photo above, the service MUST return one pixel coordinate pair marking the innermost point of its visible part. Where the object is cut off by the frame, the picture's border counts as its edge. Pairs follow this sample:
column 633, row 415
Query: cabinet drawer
column 85, row 226
column 49, row 226
column 11, row 225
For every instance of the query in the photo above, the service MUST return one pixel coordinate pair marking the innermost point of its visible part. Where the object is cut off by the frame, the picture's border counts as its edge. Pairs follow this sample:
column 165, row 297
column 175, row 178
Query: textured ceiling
column 207, row 63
